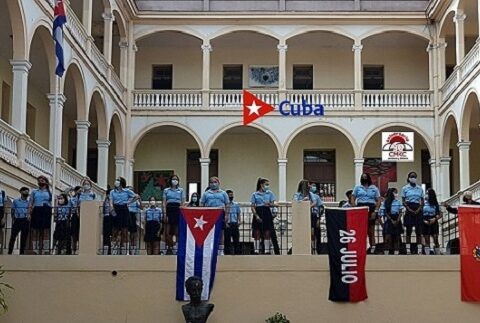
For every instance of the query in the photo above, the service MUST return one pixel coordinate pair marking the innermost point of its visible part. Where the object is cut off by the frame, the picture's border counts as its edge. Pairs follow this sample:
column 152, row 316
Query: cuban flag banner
column 199, row 235
column 59, row 20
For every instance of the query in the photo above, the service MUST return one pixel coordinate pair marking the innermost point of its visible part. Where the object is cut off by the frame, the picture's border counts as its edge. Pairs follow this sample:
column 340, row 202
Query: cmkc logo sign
column 397, row 146
column 254, row 108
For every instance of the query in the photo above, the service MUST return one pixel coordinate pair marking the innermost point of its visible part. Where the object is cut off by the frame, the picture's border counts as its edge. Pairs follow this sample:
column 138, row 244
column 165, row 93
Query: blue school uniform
column 262, row 198
column 395, row 213
column 174, row 195
column 218, row 198
column 366, row 195
column 20, row 208
column 86, row 196
column 153, row 214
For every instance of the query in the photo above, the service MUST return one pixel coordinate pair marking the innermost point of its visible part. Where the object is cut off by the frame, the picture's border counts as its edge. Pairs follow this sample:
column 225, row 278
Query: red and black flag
column 347, row 244
column 469, row 223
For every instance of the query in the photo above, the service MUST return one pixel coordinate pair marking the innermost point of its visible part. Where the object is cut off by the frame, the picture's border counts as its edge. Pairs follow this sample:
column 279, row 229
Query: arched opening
column 471, row 132
column 116, row 138
column 450, row 151
column 6, row 54
column 153, row 166
column 319, row 60
column 447, row 33
column 236, row 64
column 395, row 60
column 168, row 60
column 96, row 131
column 99, row 8
column 77, row 7
column 323, row 155
column 39, row 87
column 470, row 8
column 119, row 38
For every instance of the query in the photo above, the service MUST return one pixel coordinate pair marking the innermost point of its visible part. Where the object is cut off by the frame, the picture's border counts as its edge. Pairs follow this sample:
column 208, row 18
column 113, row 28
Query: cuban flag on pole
column 59, row 20
column 199, row 235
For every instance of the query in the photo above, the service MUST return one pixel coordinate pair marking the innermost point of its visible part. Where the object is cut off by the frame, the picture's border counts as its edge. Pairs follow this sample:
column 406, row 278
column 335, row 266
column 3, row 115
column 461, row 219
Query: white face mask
column 412, row 180
column 194, row 199
column 86, row 187
column 117, row 183
column 174, row 182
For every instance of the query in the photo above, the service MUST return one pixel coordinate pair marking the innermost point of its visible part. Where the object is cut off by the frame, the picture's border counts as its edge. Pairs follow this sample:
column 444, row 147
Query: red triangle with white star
column 200, row 221
column 254, row 108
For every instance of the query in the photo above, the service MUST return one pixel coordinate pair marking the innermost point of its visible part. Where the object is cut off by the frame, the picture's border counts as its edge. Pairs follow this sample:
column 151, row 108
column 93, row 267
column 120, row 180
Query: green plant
column 3, row 286
column 277, row 318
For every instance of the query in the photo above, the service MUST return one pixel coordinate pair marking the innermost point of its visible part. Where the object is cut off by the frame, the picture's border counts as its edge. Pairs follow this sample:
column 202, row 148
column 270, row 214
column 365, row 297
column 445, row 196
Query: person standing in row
column 107, row 223
column 75, row 218
column 194, row 200
column 21, row 221
column 262, row 224
column 153, row 220
column 61, row 235
column 391, row 213
column 173, row 198
column 232, row 230
column 367, row 194
column 40, row 210
column 120, row 197
column 412, row 199
column 431, row 215
column 214, row 196
column 134, row 209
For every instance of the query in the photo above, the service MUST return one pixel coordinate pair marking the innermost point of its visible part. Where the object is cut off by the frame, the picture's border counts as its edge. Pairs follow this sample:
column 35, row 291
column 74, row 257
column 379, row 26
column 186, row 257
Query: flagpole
column 55, row 141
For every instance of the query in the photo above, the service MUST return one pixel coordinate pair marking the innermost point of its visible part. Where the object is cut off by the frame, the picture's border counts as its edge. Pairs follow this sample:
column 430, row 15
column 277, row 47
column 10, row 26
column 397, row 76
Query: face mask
column 25, row 194
column 214, row 186
column 266, row 188
column 363, row 181
column 61, row 201
column 412, row 180
column 174, row 182
column 152, row 203
column 313, row 189
column 194, row 199
column 86, row 187
column 117, row 184
column 230, row 198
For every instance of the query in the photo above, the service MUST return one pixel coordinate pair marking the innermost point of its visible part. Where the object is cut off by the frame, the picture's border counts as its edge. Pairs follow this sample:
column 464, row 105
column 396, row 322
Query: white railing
column 8, row 143
column 234, row 98
column 117, row 84
column 167, row 98
column 39, row 160
column 69, row 176
column 470, row 61
column 99, row 60
column 339, row 99
column 76, row 28
column 449, row 86
column 396, row 99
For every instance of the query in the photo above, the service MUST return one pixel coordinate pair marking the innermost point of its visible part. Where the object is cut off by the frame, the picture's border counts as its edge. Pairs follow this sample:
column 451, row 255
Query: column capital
column 442, row 45
column 358, row 161
column 282, row 161
column 135, row 47
column 206, row 47
column 445, row 160
column 103, row 144
column 123, row 44
column 21, row 65
column 431, row 47
column 464, row 145
column 108, row 16
column 357, row 48
column 204, row 160
column 82, row 124
column 432, row 161
column 120, row 158
column 61, row 98
column 282, row 47
column 459, row 17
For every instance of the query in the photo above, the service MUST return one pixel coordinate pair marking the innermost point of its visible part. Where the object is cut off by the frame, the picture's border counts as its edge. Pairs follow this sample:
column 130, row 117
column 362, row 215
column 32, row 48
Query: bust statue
column 196, row 311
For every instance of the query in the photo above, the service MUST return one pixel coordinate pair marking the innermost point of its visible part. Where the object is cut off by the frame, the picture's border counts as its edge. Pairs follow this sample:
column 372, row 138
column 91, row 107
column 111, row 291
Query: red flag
column 469, row 223
column 253, row 108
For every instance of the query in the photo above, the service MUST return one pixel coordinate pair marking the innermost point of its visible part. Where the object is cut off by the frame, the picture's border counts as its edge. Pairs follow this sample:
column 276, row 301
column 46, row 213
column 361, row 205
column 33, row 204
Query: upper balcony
column 280, row 5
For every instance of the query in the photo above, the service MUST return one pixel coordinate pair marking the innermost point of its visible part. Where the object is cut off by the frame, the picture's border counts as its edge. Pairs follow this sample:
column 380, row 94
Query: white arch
column 385, row 29
column 97, row 98
column 447, row 133
column 18, row 26
column 464, row 129
column 79, row 86
column 306, row 126
column 329, row 29
column 119, row 131
column 442, row 22
column 158, row 29
column 232, row 29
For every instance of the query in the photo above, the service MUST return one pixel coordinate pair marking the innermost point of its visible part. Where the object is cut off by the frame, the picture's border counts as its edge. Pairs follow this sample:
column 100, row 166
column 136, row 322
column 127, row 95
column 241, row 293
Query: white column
column 87, row 16
column 206, row 50
column 108, row 19
column 20, row 70
column 123, row 61
column 204, row 171
column 445, row 177
column 358, row 162
column 120, row 166
column 282, row 69
column 433, row 173
column 431, row 65
column 282, row 180
column 459, row 20
column 129, row 177
column 102, row 171
column 82, row 145
column 442, row 45
column 56, row 121
column 464, row 160
column 358, row 73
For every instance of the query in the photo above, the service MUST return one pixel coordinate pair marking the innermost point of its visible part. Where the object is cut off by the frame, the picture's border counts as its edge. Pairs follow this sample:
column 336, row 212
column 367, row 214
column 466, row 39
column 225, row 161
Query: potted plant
column 277, row 318
column 3, row 287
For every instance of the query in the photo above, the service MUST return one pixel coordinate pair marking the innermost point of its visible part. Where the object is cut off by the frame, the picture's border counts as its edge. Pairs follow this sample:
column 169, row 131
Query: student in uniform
column 107, row 223
column 75, row 218
column 3, row 199
column 120, row 197
column 431, row 215
column 153, row 220
column 367, row 194
column 318, row 210
column 391, row 214
column 134, row 209
column 86, row 193
column 214, row 196
column 232, row 230
column 412, row 199
column 21, row 221
column 346, row 203
column 194, row 200
column 173, row 198
column 40, row 210
column 262, row 224
column 61, row 235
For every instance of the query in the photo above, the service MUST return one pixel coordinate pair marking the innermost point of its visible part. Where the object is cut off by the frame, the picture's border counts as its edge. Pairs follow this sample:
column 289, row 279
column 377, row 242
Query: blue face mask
column 313, row 189
column 214, row 186
column 266, row 188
